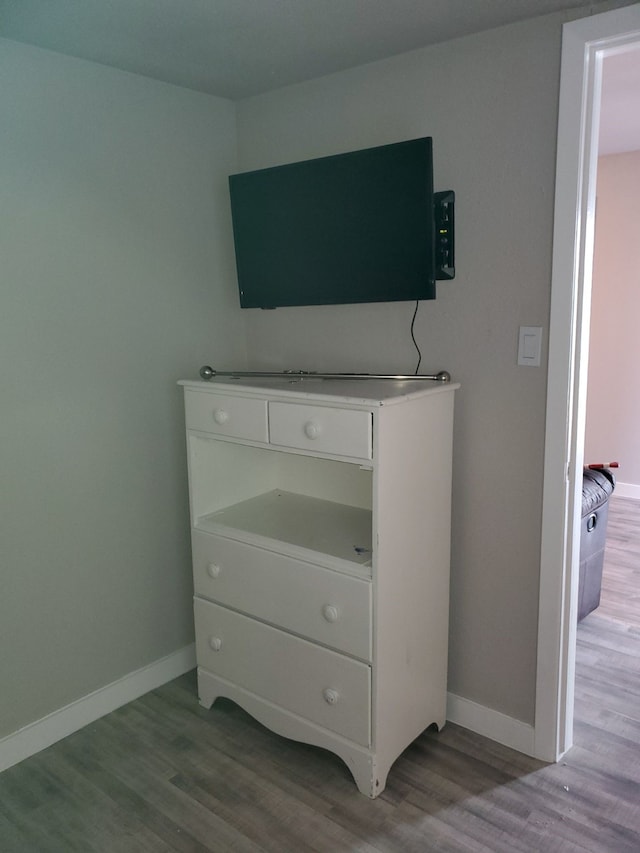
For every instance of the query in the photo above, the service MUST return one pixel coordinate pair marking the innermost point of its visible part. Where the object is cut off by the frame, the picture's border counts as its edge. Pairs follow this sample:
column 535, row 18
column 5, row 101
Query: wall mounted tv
column 365, row 226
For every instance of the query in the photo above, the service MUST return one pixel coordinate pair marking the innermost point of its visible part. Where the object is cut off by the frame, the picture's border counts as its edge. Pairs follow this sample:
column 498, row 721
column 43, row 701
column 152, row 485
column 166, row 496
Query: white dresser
column 320, row 514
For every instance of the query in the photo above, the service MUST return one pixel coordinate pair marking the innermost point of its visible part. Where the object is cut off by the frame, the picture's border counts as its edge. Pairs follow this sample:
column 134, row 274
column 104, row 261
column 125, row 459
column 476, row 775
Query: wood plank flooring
column 162, row 774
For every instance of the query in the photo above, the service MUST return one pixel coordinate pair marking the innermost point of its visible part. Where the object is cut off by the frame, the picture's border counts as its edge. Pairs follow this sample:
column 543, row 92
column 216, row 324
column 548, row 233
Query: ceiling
column 238, row 48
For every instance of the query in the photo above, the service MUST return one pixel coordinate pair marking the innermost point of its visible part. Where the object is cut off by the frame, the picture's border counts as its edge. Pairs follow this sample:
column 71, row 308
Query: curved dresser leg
column 369, row 773
column 207, row 692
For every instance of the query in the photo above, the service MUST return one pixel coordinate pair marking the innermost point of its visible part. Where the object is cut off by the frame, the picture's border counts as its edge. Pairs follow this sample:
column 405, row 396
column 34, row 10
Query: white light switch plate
column 530, row 346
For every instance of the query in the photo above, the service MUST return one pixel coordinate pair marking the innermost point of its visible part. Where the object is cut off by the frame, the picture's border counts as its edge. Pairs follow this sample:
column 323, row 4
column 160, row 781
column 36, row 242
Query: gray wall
column 490, row 103
column 115, row 280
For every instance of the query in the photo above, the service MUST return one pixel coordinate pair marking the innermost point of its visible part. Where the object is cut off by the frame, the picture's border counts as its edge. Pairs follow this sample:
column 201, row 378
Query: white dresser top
column 369, row 392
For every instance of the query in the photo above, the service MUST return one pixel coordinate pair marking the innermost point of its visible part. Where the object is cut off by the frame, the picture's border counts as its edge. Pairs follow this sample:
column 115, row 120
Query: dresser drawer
column 318, row 684
column 309, row 600
column 234, row 417
column 341, row 432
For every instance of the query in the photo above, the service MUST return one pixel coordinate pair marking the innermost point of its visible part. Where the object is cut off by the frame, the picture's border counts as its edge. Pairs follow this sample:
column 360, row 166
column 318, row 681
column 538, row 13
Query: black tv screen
column 355, row 227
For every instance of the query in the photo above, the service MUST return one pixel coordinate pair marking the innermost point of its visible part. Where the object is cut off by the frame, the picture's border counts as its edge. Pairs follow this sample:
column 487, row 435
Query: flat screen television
column 349, row 228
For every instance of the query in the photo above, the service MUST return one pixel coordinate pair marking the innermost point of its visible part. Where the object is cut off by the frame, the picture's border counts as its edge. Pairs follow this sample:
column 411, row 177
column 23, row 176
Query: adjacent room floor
column 162, row 774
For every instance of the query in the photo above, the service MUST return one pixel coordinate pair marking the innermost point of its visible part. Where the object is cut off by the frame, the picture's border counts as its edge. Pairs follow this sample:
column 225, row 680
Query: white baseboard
column 627, row 490
column 492, row 724
column 57, row 725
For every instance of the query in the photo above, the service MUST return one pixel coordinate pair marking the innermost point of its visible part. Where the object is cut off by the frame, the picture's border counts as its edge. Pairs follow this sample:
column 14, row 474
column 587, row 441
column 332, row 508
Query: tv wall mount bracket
column 208, row 374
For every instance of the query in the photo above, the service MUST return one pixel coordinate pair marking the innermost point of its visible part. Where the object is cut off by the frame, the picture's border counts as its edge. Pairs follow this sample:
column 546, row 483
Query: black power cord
column 413, row 337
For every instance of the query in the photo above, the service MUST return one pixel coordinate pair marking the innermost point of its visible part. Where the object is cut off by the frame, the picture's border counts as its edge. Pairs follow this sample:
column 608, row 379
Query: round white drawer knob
column 312, row 429
column 213, row 570
column 215, row 643
column 330, row 696
column 220, row 416
column 330, row 612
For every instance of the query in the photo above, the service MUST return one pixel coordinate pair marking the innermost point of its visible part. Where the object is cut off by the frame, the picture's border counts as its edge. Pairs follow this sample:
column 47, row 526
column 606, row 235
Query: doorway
column 585, row 45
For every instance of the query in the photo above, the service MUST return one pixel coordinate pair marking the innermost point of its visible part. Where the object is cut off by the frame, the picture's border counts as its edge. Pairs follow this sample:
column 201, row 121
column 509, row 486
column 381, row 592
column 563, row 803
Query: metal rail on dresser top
column 208, row 373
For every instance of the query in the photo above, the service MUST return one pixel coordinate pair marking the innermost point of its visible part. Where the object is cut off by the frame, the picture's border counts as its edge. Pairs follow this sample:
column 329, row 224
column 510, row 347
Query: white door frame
column 584, row 45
